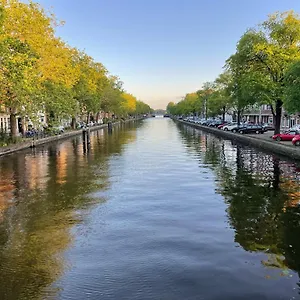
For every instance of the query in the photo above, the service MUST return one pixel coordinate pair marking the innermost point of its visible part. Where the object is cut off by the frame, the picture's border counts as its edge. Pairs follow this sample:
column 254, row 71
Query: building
column 263, row 114
column 22, row 123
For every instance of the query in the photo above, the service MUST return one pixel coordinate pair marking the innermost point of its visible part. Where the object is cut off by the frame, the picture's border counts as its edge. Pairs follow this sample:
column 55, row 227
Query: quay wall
column 37, row 142
column 265, row 144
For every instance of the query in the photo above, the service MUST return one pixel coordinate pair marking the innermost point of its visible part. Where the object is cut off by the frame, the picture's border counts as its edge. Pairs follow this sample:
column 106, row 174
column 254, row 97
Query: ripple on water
column 154, row 210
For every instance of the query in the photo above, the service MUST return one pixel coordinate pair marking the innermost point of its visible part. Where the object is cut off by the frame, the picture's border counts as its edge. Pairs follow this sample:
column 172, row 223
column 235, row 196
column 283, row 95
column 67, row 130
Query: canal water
column 152, row 210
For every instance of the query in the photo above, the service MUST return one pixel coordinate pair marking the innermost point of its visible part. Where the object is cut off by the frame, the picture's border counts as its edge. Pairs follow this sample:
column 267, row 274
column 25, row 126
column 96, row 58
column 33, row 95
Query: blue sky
column 161, row 49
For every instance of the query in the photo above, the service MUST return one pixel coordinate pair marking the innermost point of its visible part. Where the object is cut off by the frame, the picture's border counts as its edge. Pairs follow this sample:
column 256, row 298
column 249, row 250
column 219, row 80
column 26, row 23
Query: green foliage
column 39, row 71
column 264, row 69
column 292, row 90
column 142, row 108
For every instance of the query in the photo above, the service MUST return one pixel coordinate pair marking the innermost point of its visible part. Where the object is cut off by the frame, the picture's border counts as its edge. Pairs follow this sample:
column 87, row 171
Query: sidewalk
column 267, row 136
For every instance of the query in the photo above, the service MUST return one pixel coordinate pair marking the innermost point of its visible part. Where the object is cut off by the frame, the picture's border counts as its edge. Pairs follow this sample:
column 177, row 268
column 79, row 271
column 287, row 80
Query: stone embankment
column 261, row 141
column 37, row 142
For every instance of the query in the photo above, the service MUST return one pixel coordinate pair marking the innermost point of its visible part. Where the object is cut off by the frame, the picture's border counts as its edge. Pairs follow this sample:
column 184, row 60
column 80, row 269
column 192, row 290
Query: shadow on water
column 262, row 195
column 43, row 193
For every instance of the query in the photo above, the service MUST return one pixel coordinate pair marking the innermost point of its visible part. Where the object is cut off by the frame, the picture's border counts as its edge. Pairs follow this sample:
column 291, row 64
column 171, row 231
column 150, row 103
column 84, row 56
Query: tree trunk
column 277, row 116
column 73, row 123
column 223, row 113
column 88, row 118
column 13, row 124
column 23, row 126
column 239, row 117
column 97, row 117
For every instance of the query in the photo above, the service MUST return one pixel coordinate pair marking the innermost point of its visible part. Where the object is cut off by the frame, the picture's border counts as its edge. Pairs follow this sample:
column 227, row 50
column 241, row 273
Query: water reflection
column 166, row 235
column 42, row 195
column 262, row 193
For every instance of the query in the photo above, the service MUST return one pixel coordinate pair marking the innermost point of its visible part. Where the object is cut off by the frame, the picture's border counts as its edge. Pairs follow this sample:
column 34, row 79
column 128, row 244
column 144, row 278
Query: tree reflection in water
column 262, row 193
column 44, row 192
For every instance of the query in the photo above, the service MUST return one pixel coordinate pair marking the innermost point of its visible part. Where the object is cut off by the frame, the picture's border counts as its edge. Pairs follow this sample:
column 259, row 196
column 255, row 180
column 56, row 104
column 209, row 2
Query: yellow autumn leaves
column 39, row 71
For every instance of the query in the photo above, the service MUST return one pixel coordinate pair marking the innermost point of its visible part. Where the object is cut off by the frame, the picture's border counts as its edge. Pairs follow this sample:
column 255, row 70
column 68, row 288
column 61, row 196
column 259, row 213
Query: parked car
column 268, row 127
column 236, row 127
column 295, row 127
column 222, row 125
column 207, row 122
column 251, row 129
column 215, row 123
column 296, row 140
column 229, row 126
column 288, row 136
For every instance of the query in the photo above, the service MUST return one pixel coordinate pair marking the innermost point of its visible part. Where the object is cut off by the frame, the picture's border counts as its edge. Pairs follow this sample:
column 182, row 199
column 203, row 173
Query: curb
column 270, row 146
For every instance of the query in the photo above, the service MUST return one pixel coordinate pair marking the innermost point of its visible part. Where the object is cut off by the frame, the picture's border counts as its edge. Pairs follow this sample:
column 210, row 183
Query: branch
column 268, row 67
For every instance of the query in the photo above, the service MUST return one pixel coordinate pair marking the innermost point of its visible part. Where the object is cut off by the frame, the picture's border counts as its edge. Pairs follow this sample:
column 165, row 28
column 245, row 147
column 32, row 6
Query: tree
column 128, row 103
column 142, row 108
column 221, row 99
column 30, row 23
column 292, row 88
column 17, row 76
column 39, row 71
column 111, row 98
column 39, row 58
column 171, row 108
column 204, row 95
column 264, row 55
column 89, row 88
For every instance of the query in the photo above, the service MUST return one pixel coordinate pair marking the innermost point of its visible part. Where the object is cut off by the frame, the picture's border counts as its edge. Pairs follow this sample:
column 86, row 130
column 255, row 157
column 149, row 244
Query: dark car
column 236, row 128
column 252, row 129
column 215, row 123
column 268, row 127
column 207, row 122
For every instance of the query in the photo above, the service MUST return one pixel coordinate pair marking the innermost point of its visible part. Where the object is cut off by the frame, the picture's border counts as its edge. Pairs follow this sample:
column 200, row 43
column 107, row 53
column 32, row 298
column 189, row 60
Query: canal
column 152, row 210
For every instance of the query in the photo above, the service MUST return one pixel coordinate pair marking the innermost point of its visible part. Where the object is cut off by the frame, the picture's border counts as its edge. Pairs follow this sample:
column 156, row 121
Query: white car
column 229, row 127
column 296, row 127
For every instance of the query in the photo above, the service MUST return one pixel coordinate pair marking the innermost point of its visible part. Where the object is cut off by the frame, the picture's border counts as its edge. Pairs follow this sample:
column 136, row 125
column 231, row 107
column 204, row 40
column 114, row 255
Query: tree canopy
column 263, row 70
column 40, row 72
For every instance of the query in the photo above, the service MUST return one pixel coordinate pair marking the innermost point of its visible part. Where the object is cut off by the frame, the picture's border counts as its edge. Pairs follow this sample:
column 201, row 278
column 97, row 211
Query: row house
column 24, row 122
column 4, row 119
column 263, row 114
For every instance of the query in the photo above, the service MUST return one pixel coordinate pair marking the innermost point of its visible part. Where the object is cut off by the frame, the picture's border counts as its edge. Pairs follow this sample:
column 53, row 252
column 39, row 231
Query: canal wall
column 37, row 142
column 268, row 145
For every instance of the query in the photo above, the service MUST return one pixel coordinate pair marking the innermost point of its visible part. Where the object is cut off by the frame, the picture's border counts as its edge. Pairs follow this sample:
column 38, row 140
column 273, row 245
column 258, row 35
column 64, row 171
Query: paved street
column 268, row 137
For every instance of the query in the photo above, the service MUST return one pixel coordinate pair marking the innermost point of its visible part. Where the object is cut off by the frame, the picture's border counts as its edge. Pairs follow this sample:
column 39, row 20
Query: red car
column 288, row 136
column 296, row 140
column 220, row 126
